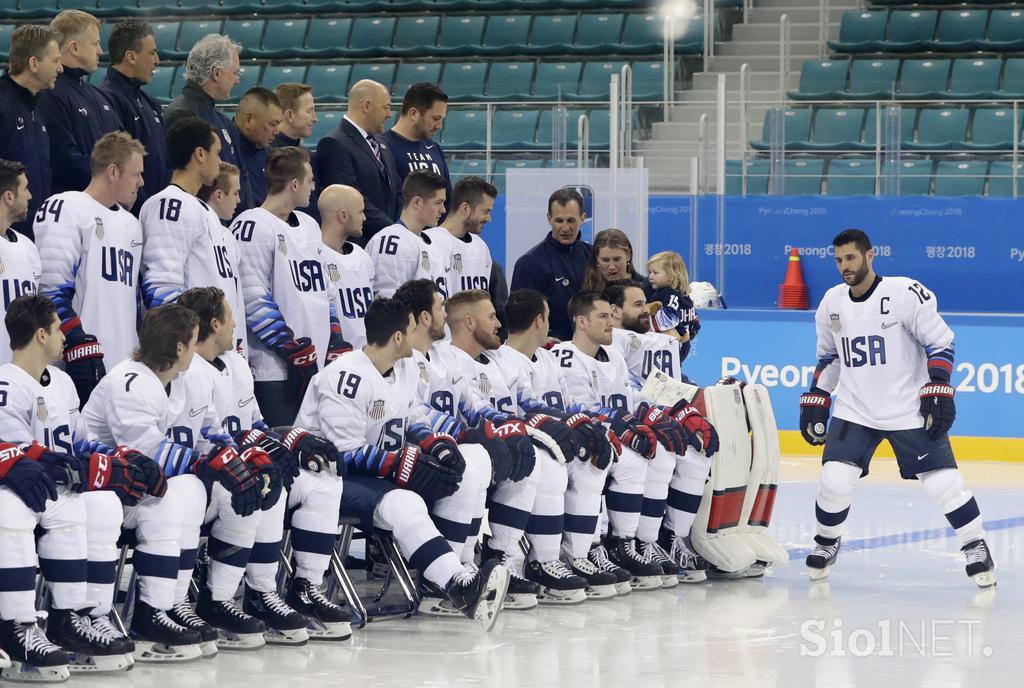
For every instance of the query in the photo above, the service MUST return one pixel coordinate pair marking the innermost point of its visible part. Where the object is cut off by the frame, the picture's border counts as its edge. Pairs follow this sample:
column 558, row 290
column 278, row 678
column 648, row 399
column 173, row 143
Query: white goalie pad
column 764, row 475
column 664, row 390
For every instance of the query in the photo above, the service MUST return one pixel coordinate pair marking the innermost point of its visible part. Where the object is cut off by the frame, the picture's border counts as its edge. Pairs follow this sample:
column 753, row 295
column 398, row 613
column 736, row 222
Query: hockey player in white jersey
column 468, row 259
column 184, row 243
column 403, row 251
column 39, row 414
column 564, row 519
column 294, row 330
column 676, row 503
column 18, row 255
column 141, row 403
column 224, row 194
column 91, row 251
column 888, row 356
column 308, row 468
column 360, row 403
column 348, row 267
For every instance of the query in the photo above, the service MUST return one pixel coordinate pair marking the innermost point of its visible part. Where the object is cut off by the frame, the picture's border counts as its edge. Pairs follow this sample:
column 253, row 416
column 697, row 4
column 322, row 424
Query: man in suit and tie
column 352, row 155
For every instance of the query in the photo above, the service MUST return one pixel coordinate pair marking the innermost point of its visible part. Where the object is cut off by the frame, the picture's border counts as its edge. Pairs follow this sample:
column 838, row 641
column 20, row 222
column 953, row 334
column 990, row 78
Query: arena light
column 681, row 12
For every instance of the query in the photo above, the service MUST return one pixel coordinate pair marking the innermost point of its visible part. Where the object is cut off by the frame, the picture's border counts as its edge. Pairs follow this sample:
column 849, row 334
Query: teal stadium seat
column 328, row 37
column 757, row 177
column 464, row 80
column 415, row 35
column 370, row 36
column 556, row 79
column 642, row 33
column 850, row 177
column 84, row 5
column 381, row 72
column 873, row 79
column 326, row 121
column 248, row 32
column 250, row 76
column 803, row 176
column 910, row 31
column 329, row 81
column 1000, row 179
column 29, row 8
column 5, row 40
column 545, row 130
column 992, row 128
column 283, row 38
column 159, row 86
column 796, row 127
column 835, row 128
column 959, row 30
column 190, row 34
column 599, row 33
column 461, row 34
column 553, row 34
column 923, row 79
column 648, row 80
column 908, row 118
column 1013, row 79
column 506, row 34
column 169, row 7
column 915, row 177
column 166, row 36
column 974, row 78
column 1005, row 32
column 462, row 167
column 940, row 129
column 97, row 77
column 821, row 80
column 464, row 129
column 275, row 75
column 596, row 80
column 116, row 8
column 503, row 167
column 510, row 80
column 960, row 177
column 514, row 129
column 600, row 129
column 410, row 73
column 860, row 32
column 279, row 6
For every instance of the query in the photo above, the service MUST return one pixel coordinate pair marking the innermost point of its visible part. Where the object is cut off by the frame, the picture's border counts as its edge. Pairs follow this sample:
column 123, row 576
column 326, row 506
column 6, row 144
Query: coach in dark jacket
column 34, row 65
column 133, row 58
column 352, row 155
column 555, row 266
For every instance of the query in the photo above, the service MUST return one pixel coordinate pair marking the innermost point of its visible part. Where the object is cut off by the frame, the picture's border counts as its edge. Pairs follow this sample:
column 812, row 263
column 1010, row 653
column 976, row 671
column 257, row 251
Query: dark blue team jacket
column 556, row 271
column 254, row 159
column 23, row 138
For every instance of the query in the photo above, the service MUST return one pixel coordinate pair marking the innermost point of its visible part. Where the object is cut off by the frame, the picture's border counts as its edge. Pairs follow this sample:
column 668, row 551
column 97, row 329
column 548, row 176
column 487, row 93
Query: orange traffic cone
column 793, row 292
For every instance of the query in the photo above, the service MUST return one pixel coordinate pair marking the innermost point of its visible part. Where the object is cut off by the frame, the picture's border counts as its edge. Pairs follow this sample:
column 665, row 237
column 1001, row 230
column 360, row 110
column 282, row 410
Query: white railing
column 783, row 56
column 583, row 147
column 823, row 28
column 626, row 115
column 709, row 31
column 744, row 120
column 668, row 66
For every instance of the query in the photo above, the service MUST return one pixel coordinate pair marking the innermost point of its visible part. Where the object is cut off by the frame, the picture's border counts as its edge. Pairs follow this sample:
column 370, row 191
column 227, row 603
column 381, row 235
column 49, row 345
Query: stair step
column 770, row 32
column 772, row 15
column 765, row 49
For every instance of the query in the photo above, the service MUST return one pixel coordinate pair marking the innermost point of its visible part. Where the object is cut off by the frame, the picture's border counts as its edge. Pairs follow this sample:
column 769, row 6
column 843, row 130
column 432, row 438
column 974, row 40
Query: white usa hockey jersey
column 91, row 257
column 233, row 396
column 484, row 374
column 44, row 410
column 877, row 348
column 198, row 425
column 20, row 271
column 284, row 288
column 184, row 245
column 469, row 260
column 400, row 255
column 596, row 382
column 535, row 381
column 647, row 352
column 350, row 282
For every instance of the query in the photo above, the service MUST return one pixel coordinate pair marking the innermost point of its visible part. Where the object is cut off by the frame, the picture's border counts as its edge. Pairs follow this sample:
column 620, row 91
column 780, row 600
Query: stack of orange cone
column 793, row 292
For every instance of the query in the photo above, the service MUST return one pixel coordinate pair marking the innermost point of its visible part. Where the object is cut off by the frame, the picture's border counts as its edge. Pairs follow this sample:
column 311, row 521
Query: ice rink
column 898, row 611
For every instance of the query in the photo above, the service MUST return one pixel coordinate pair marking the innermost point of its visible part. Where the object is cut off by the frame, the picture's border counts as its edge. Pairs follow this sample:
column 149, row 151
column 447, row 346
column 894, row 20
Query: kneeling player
column 360, row 403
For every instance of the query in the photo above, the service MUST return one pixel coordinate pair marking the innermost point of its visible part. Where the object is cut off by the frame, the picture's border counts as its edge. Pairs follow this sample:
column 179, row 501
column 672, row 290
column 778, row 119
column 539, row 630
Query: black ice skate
column 598, row 556
column 33, row 658
column 646, row 575
column 285, row 626
column 434, row 601
column 522, row 594
column 325, row 620
column 980, row 567
column 236, row 630
column 183, row 614
column 159, row 639
column 558, row 585
column 652, row 552
column 103, row 624
column 822, row 557
column 89, row 649
column 692, row 566
column 480, row 593
column 600, row 584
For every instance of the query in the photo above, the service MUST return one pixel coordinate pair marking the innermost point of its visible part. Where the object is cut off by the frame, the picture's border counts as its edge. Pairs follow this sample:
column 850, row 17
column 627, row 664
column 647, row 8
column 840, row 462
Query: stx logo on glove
column 510, row 429
column 9, row 453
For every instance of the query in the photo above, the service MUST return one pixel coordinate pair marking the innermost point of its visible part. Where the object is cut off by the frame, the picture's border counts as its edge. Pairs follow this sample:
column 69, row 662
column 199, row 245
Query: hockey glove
column 814, row 406
column 286, row 463
column 442, row 447
column 667, row 429
column 551, row 434
column 30, row 481
column 336, row 346
column 590, row 440
column 301, row 355
column 485, row 434
column 225, row 466
column 634, row 434
column 266, row 473
column 701, row 434
column 937, row 408
column 144, row 469
column 65, row 469
column 519, row 446
column 426, row 475
column 83, row 362
column 314, row 453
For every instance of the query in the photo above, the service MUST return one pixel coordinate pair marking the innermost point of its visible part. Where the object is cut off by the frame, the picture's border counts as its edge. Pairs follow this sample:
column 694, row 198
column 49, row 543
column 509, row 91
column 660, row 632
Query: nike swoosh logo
column 243, row 404
column 136, row 243
column 137, row 118
column 429, row 147
column 21, row 127
column 195, row 412
column 457, row 380
column 922, row 456
column 886, row 326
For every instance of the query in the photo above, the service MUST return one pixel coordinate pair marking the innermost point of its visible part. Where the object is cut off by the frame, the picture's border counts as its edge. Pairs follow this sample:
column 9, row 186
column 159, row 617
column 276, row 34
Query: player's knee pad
column 478, row 466
column 945, row 486
column 660, row 468
column 585, row 477
column 16, row 516
column 837, row 483
column 161, row 519
column 67, row 512
column 320, row 492
column 399, row 507
column 629, row 472
column 553, row 477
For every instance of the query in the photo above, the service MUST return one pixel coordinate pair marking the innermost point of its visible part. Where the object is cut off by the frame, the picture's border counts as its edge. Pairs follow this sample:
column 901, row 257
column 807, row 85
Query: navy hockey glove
column 314, row 453
column 336, row 345
column 486, row 435
column 519, row 446
column 426, row 475
column 83, row 362
column 667, row 429
column 443, row 447
column 142, row 468
column 285, row 462
column 65, row 469
column 634, row 434
column 301, row 355
column 30, row 481
column 814, row 406
column 701, row 434
column 225, row 466
column 552, row 434
column 266, row 473
column 937, row 408
column 590, row 441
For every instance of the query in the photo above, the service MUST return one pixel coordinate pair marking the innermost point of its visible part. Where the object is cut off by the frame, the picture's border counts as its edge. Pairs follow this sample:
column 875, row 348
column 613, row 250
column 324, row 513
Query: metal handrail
column 823, row 28
column 626, row 114
column 702, row 153
column 783, row 56
column 668, row 59
column 720, row 138
column 583, row 147
column 614, row 153
column 744, row 123
column 709, row 31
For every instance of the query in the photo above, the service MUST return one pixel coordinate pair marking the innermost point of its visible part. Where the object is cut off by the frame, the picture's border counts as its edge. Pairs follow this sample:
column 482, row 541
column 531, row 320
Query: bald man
column 348, row 268
column 258, row 120
column 353, row 155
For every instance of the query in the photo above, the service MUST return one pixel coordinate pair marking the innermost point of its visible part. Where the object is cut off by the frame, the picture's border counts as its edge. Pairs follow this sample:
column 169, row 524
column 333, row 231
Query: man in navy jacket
column 353, row 155
column 77, row 114
column 555, row 266
column 34, row 66
column 133, row 58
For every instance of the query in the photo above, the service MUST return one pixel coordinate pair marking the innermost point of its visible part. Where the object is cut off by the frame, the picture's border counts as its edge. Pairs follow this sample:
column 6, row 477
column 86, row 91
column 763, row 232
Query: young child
column 668, row 295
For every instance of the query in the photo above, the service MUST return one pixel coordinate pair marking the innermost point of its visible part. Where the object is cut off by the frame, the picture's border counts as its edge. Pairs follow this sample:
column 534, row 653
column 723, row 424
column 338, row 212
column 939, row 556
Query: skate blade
column 209, row 649
column 669, row 581
column 646, row 583
column 601, row 592
column 26, row 673
column 986, row 579
column 294, row 637
column 433, row 606
column 330, row 632
column 492, row 598
column 818, row 574
column 697, row 576
column 239, row 642
column 520, row 603
column 157, row 653
column 562, row 597
column 623, row 588
column 91, row 664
